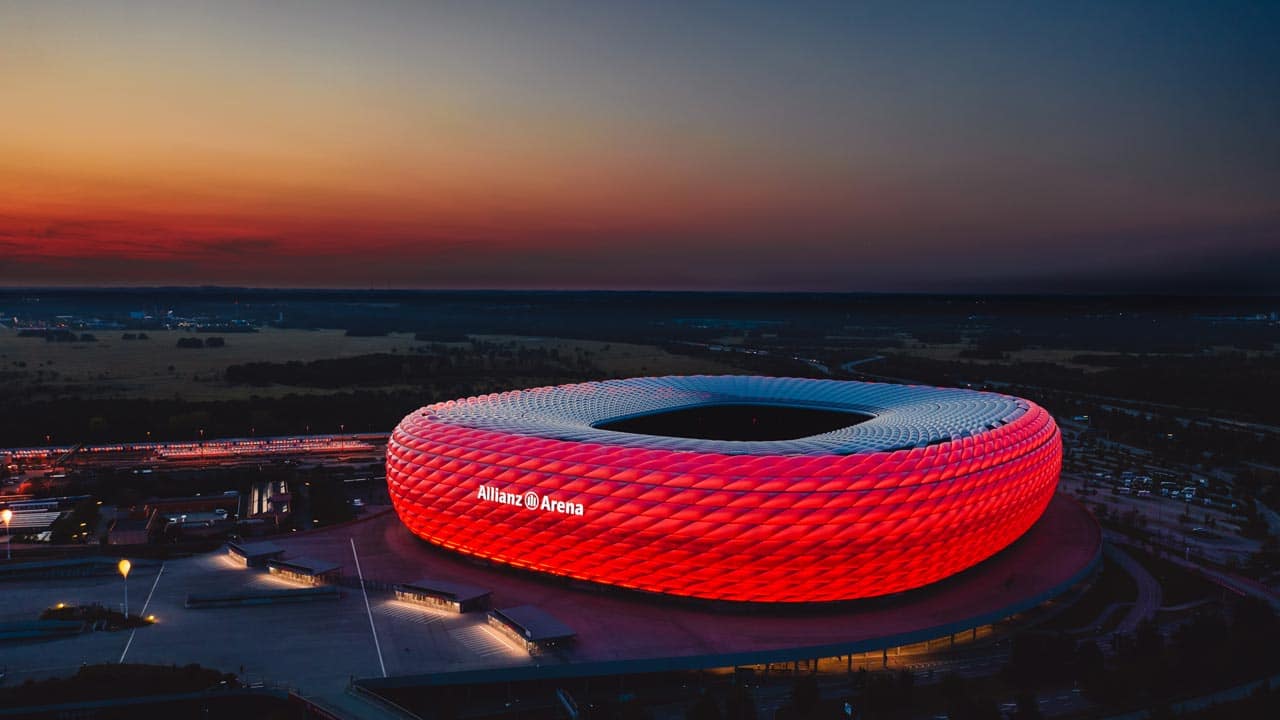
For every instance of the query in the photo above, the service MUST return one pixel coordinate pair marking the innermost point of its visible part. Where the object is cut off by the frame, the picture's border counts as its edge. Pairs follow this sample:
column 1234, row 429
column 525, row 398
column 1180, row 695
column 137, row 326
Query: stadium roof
column 901, row 416
column 461, row 592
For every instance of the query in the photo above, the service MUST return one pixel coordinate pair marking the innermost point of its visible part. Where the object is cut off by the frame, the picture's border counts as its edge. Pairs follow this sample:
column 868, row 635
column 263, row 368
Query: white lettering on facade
column 529, row 500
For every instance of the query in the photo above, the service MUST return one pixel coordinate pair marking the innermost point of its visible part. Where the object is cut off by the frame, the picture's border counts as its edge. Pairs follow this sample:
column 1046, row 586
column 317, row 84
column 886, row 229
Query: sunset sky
column 686, row 145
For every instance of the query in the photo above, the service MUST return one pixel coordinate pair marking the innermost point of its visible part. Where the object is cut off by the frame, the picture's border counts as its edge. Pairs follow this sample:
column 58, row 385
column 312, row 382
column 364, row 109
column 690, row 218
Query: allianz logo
column 529, row 501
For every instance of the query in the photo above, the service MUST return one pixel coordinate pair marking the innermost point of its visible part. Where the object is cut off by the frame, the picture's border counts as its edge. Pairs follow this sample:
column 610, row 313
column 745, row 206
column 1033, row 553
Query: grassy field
column 158, row 369
column 1056, row 356
column 625, row 359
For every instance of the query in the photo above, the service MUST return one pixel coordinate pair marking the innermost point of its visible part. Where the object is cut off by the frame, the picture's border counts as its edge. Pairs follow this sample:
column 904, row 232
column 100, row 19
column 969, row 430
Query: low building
column 306, row 570
column 444, row 594
column 128, row 531
column 188, row 526
column 532, row 627
column 254, row 554
column 173, row 507
column 31, row 521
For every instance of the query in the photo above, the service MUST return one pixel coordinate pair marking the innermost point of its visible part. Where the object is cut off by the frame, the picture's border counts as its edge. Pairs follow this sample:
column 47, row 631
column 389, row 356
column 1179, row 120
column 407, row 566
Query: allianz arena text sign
column 529, row 500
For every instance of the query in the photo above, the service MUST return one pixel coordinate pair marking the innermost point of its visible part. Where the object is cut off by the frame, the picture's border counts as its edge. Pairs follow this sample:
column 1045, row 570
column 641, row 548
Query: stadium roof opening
column 737, row 421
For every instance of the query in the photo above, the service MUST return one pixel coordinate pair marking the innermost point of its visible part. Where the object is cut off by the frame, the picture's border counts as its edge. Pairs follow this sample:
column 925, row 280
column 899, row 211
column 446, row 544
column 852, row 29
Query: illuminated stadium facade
column 754, row 489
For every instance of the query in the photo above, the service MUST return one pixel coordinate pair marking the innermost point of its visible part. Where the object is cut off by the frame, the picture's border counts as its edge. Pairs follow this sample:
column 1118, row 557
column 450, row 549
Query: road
column 1271, row 517
column 1149, row 592
column 849, row 366
column 1237, row 584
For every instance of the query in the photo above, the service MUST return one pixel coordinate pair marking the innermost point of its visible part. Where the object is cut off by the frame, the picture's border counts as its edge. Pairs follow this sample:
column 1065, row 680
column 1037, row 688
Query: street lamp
column 7, row 515
column 123, row 566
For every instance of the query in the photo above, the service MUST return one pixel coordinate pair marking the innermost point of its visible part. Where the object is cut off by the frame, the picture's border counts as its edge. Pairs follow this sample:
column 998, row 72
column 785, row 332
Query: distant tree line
column 57, row 335
column 382, row 392
column 1211, row 651
column 196, row 343
column 72, row 420
column 102, row 682
column 1196, row 443
column 432, row 366
column 1224, row 383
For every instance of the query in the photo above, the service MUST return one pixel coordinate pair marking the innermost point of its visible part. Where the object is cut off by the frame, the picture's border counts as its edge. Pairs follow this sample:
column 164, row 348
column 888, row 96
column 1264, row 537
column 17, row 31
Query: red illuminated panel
column 720, row 525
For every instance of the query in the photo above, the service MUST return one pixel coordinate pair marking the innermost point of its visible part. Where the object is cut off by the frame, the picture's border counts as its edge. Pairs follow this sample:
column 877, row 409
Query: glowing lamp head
column 124, row 566
column 6, row 515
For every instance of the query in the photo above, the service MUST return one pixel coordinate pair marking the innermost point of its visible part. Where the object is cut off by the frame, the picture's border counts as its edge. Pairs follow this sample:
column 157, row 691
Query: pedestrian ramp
column 481, row 641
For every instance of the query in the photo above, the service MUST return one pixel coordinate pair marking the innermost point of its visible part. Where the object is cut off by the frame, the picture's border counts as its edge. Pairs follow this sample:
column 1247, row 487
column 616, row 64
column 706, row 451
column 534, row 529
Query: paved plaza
column 319, row 646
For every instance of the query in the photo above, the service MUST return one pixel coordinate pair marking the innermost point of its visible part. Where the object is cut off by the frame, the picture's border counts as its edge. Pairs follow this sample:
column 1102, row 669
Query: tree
column 967, row 708
column 1089, row 662
column 906, row 688
column 1038, row 656
column 704, row 709
column 97, row 427
column 1148, row 640
column 805, row 694
column 740, row 705
column 1028, row 707
column 632, row 710
column 68, row 528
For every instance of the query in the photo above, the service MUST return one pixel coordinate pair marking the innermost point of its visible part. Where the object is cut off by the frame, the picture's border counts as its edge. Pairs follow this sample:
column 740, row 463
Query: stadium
column 729, row 488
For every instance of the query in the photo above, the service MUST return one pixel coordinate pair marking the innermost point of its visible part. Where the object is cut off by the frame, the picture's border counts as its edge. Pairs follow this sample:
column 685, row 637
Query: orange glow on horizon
column 412, row 144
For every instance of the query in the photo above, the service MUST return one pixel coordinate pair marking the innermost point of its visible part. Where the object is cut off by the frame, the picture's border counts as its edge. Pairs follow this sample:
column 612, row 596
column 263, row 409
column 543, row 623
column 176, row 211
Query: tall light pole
column 123, row 566
column 7, row 515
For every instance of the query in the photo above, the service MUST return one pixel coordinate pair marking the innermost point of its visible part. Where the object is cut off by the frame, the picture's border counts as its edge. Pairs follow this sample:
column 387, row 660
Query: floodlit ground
column 315, row 646
column 622, row 627
column 318, row 646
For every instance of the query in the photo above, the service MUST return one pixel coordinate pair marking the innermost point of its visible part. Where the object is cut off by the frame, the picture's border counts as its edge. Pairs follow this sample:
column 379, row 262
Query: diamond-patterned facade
column 936, row 482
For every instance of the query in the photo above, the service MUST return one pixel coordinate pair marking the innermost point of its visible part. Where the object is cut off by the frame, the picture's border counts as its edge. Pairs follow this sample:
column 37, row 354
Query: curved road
column 1149, row 592
column 1235, row 583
